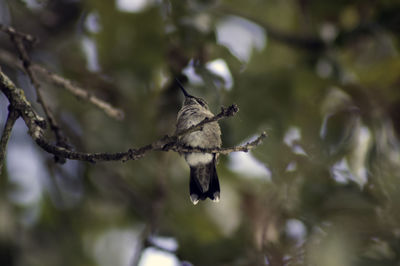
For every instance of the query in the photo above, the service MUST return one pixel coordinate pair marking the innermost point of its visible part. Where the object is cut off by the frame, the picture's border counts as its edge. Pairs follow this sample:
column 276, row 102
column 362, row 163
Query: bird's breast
column 208, row 137
column 195, row 159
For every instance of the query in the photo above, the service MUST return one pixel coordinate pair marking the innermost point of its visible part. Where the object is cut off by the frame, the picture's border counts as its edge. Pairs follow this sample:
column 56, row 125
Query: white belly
column 194, row 159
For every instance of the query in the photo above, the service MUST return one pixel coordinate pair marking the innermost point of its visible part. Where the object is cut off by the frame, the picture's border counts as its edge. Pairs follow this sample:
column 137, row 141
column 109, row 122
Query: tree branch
column 66, row 84
column 35, row 125
column 245, row 147
column 11, row 118
column 311, row 43
column 166, row 143
column 18, row 40
column 11, row 31
column 79, row 92
column 61, row 149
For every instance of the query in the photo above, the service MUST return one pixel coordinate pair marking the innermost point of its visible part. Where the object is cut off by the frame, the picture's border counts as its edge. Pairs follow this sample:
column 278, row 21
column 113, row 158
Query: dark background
column 321, row 77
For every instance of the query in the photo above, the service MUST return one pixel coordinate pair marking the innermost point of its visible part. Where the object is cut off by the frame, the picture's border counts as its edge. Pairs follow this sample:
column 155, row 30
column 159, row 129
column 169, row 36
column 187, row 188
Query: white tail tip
column 194, row 198
column 216, row 197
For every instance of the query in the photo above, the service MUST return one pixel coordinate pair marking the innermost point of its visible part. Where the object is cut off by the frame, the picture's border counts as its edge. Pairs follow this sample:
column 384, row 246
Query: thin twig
column 245, row 147
column 17, row 39
column 66, row 84
column 11, row 118
column 11, row 31
column 81, row 93
column 135, row 154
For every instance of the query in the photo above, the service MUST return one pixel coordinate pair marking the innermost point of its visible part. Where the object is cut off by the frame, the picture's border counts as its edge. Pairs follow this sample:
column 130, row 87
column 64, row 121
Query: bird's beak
column 183, row 89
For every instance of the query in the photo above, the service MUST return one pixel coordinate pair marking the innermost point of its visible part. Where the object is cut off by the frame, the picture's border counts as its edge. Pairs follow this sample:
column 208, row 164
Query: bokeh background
column 321, row 78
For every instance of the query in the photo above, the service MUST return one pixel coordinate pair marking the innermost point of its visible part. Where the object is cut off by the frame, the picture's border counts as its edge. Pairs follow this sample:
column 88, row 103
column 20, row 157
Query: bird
column 204, row 181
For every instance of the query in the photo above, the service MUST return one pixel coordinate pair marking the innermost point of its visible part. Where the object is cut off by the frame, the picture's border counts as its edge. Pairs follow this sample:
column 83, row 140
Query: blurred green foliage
column 325, row 87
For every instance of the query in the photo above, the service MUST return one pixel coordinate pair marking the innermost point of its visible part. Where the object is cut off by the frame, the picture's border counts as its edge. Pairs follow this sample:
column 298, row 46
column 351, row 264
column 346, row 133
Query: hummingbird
column 203, row 174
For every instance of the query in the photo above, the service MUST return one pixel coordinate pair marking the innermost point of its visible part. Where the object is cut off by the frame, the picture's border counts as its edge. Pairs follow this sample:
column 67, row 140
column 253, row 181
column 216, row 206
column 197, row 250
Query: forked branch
column 35, row 124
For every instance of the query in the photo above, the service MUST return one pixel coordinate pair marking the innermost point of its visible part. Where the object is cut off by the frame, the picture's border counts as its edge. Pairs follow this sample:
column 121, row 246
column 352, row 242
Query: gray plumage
column 203, row 176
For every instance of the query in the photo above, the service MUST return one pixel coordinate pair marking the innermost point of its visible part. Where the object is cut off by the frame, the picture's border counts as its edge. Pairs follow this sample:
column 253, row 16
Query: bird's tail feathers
column 196, row 190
